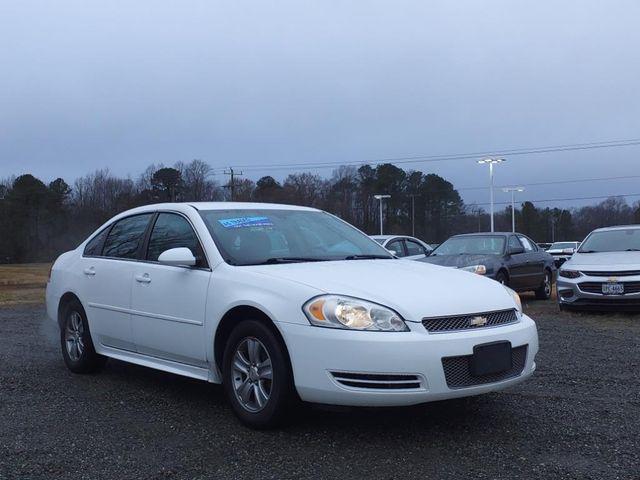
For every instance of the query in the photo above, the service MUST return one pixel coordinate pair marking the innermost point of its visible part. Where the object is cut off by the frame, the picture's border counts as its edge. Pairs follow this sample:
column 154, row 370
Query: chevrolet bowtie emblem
column 477, row 321
column 612, row 279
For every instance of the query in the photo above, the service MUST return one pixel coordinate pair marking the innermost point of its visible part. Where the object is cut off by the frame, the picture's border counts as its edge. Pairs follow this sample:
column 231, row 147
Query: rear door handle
column 143, row 278
column 91, row 271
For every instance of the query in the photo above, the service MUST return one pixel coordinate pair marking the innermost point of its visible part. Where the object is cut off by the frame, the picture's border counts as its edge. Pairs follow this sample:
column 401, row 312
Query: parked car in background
column 509, row 258
column 544, row 246
column 562, row 251
column 604, row 272
column 280, row 303
column 404, row 246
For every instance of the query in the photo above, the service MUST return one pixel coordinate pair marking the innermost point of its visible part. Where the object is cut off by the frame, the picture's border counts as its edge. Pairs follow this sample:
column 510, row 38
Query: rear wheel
column 257, row 375
column 544, row 292
column 75, row 339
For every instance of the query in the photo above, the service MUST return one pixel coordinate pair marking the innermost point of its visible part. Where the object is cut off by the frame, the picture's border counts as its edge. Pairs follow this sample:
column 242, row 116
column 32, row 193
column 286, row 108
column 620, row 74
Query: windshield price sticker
column 244, row 222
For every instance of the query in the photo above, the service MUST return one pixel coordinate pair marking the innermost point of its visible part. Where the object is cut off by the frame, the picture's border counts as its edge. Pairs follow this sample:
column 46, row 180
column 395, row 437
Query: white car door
column 105, row 285
column 168, row 302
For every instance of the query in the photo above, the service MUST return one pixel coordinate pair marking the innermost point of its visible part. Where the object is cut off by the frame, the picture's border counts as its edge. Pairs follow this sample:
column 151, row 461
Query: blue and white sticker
column 243, row 222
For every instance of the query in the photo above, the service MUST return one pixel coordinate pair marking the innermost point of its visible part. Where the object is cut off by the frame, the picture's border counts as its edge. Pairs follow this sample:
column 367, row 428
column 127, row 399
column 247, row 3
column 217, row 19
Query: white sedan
column 281, row 303
column 403, row 246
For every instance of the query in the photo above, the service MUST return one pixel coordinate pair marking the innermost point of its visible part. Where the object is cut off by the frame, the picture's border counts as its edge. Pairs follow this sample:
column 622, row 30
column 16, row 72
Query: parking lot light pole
column 491, row 162
column 380, row 198
column 513, row 191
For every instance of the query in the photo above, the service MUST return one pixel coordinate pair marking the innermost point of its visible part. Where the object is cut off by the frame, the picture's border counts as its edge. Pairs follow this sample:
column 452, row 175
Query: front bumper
column 318, row 353
column 570, row 293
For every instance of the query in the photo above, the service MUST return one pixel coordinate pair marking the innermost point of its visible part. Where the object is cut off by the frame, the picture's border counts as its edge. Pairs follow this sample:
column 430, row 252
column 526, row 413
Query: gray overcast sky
column 122, row 84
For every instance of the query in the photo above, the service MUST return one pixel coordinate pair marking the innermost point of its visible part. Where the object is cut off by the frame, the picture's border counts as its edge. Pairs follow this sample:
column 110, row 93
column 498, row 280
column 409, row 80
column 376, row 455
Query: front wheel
column 257, row 375
column 544, row 292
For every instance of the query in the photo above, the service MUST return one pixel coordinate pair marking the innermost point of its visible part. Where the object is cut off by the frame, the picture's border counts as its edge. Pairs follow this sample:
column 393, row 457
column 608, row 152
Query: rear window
column 94, row 247
column 126, row 236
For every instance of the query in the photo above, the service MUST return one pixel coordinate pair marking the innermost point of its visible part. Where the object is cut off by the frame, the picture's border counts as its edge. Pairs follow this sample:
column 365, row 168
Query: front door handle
column 91, row 271
column 143, row 278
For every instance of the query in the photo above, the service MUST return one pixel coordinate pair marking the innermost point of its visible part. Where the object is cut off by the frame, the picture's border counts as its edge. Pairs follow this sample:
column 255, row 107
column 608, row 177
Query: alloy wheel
column 73, row 336
column 252, row 374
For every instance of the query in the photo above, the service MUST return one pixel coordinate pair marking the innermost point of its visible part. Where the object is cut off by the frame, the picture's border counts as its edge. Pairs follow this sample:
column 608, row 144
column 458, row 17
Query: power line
column 450, row 157
column 546, row 200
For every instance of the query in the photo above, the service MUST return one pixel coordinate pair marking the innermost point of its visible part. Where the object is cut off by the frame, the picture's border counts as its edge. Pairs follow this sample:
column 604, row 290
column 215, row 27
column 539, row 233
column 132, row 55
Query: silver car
column 604, row 272
column 562, row 251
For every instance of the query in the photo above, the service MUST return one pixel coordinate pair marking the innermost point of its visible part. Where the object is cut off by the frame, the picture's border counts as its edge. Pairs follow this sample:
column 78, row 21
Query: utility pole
column 232, row 181
column 380, row 198
column 413, row 214
column 513, row 191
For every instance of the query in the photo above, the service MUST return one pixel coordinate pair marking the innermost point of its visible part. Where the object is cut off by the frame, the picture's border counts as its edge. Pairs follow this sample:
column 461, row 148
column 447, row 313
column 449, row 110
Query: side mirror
column 392, row 252
column 515, row 250
column 178, row 257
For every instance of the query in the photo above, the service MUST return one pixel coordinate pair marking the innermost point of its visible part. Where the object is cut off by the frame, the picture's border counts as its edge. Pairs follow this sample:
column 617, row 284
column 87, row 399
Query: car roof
column 617, row 227
column 484, row 234
column 246, row 206
column 383, row 237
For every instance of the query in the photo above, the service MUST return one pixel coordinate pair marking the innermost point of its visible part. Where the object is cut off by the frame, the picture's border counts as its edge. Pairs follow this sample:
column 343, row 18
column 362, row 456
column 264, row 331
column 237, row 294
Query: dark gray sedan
column 509, row 258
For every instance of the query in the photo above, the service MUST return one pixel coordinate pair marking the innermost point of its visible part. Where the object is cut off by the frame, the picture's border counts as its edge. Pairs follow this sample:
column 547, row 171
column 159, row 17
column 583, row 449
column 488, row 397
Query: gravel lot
column 579, row 417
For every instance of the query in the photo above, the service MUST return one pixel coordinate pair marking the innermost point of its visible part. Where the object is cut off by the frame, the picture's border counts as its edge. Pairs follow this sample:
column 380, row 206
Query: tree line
column 38, row 221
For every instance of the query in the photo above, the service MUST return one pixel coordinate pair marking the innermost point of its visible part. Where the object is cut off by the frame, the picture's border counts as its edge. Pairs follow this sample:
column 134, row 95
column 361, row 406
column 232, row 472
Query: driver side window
column 514, row 242
column 173, row 231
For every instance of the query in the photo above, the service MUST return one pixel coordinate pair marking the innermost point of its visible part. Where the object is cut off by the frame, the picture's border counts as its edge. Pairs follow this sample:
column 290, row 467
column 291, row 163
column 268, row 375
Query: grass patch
column 21, row 284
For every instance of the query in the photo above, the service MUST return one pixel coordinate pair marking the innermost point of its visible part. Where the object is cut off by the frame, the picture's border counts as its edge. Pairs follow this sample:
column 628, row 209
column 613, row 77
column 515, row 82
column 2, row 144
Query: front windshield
column 472, row 245
column 612, row 241
column 253, row 237
column 562, row 245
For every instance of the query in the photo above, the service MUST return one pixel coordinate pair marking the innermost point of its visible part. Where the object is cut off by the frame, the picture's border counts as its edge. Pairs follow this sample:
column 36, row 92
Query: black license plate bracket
column 490, row 358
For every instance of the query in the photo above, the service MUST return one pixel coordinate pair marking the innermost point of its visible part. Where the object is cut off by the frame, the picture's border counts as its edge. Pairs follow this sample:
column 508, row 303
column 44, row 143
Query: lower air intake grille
column 469, row 322
column 377, row 381
column 457, row 370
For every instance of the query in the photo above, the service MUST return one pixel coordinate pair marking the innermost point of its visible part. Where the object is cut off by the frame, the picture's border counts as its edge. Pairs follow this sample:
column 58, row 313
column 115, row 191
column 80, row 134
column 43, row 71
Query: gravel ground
column 579, row 417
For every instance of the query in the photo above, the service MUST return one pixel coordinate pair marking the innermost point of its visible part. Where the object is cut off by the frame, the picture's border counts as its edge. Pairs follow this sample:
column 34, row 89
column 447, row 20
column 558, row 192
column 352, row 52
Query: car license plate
column 613, row 288
column 490, row 358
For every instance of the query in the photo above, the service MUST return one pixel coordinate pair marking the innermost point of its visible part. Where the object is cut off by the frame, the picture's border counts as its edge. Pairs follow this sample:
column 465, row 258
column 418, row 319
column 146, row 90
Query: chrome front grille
column 378, row 381
column 470, row 322
column 457, row 370
column 623, row 273
column 596, row 287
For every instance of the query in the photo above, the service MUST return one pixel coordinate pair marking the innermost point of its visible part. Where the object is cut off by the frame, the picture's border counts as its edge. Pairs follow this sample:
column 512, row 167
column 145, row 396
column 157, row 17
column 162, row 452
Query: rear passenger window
column 126, row 236
column 94, row 247
column 173, row 231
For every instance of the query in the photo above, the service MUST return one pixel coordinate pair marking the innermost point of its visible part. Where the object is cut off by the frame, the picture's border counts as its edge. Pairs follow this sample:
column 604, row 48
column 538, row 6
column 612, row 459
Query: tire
column 75, row 340
column 260, row 397
column 501, row 277
column 545, row 290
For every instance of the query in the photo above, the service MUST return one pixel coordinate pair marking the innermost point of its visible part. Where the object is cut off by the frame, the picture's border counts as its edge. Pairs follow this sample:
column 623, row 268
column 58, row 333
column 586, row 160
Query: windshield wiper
column 366, row 257
column 587, row 251
column 275, row 260
column 632, row 250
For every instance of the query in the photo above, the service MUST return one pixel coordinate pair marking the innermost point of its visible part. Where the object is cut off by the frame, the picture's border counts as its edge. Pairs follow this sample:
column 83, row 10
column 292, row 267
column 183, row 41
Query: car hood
column 462, row 260
column 414, row 289
column 609, row 261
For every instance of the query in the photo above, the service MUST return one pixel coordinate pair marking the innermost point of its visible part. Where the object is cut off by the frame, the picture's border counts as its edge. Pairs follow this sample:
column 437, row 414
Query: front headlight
column 569, row 273
column 479, row 269
column 516, row 298
column 335, row 311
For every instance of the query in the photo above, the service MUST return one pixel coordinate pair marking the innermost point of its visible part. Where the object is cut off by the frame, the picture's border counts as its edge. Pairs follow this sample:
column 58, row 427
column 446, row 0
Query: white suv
column 280, row 303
